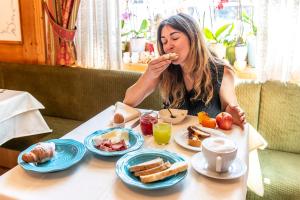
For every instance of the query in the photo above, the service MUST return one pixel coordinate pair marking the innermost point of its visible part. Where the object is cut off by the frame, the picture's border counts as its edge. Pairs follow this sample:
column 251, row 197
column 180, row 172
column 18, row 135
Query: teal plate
column 133, row 158
column 136, row 140
column 68, row 152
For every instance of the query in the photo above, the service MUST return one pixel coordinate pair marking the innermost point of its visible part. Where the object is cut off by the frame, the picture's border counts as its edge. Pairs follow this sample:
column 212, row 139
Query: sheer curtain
column 278, row 45
column 98, row 41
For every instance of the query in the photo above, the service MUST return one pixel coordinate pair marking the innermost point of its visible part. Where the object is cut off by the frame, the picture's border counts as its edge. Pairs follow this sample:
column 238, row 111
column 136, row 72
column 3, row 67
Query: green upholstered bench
column 71, row 96
column 276, row 115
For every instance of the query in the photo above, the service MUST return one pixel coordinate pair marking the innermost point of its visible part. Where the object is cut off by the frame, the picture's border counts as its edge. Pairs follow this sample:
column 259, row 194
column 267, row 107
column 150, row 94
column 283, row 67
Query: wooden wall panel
column 32, row 50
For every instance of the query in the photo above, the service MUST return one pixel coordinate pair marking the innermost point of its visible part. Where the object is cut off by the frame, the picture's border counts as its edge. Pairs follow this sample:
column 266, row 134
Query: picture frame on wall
column 10, row 22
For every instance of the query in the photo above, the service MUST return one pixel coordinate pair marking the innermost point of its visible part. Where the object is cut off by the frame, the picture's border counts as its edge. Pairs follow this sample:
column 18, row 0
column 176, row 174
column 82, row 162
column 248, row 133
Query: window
column 206, row 12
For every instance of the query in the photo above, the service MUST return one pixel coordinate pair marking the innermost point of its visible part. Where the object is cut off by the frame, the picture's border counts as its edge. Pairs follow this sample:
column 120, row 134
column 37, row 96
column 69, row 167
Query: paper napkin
column 128, row 112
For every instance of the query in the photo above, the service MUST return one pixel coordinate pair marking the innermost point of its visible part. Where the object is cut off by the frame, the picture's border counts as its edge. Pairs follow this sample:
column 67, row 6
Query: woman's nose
column 169, row 46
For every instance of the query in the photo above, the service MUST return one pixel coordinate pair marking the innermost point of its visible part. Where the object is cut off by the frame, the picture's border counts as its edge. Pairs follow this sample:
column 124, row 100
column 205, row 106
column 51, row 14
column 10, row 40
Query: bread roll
column 146, row 165
column 174, row 169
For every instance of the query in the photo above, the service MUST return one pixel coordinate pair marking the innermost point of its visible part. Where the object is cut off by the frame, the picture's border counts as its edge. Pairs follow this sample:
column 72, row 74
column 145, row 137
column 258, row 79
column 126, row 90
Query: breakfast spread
column 41, row 153
column 157, row 169
column 195, row 136
column 115, row 140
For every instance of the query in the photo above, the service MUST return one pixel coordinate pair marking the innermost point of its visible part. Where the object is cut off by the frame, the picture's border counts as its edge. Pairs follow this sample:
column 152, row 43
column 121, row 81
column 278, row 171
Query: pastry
column 42, row 152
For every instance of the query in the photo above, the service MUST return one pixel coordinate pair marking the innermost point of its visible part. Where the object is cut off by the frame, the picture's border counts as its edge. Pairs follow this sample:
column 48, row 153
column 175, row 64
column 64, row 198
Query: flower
column 220, row 5
column 126, row 15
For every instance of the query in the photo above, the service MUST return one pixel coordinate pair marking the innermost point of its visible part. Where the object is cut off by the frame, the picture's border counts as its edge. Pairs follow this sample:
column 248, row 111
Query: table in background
column 20, row 115
column 95, row 178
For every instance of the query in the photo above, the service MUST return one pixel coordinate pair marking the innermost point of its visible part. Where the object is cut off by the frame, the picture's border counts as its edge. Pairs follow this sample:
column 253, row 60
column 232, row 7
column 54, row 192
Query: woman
column 195, row 79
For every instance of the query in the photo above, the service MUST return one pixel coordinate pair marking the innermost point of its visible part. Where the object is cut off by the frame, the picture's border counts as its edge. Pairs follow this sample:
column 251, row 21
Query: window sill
column 137, row 67
column 248, row 73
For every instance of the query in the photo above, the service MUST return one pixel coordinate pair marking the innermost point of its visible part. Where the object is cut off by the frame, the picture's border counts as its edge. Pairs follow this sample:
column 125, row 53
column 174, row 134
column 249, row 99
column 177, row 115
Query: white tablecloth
column 20, row 116
column 95, row 178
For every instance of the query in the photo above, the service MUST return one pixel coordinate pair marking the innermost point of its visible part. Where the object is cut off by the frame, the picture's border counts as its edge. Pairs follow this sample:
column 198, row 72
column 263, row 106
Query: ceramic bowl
column 178, row 113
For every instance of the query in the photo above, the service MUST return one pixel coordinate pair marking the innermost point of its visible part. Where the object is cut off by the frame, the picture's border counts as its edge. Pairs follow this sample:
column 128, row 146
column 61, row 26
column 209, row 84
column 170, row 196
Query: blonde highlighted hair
column 172, row 85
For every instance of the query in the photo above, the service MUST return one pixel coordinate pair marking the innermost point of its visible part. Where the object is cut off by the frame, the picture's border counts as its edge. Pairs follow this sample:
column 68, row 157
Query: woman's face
column 177, row 42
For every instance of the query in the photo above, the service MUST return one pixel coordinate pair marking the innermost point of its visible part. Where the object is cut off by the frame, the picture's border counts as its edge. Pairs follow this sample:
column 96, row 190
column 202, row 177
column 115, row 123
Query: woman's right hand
column 157, row 66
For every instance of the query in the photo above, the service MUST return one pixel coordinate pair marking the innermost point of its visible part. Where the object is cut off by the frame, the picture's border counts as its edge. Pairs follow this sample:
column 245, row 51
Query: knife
column 135, row 124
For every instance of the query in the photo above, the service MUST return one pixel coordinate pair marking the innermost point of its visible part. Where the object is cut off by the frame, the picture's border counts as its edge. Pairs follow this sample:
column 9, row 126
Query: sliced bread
column 153, row 170
column 146, row 165
column 174, row 169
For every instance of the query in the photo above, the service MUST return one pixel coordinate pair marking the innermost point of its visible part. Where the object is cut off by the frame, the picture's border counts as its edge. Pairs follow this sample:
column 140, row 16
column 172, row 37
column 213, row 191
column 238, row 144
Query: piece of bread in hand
column 174, row 169
column 170, row 56
column 42, row 152
column 153, row 170
column 146, row 165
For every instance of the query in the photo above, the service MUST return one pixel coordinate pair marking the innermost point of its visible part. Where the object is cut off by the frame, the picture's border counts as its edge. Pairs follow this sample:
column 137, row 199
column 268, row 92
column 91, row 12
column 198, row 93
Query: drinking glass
column 162, row 132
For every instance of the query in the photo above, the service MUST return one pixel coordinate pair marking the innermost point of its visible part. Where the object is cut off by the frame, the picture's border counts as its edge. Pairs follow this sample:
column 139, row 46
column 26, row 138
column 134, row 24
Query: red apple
column 224, row 120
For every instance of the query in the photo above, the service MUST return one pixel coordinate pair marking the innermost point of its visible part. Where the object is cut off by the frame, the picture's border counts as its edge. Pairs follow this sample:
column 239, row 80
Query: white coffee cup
column 219, row 153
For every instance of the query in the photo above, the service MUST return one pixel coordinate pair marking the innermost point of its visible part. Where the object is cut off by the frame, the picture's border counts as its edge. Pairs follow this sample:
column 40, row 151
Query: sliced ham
column 107, row 145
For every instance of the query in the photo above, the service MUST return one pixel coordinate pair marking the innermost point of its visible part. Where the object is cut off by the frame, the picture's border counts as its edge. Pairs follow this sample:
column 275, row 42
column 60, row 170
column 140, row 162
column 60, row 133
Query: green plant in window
column 141, row 32
column 220, row 35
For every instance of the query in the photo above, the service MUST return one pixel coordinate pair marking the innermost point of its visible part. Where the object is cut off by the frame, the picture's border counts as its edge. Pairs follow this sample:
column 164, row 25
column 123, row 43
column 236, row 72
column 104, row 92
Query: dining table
column 20, row 115
column 94, row 177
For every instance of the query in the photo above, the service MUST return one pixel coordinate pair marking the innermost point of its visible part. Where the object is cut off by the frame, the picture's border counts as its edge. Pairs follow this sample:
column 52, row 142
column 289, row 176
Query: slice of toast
column 146, row 165
column 153, row 170
column 174, row 169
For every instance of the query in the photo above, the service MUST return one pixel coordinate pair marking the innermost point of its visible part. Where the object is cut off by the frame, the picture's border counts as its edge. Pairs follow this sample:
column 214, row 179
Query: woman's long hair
column 172, row 85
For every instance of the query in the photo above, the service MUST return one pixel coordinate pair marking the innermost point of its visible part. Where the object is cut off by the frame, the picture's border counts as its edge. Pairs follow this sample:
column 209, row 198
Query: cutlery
column 172, row 116
column 167, row 107
column 135, row 124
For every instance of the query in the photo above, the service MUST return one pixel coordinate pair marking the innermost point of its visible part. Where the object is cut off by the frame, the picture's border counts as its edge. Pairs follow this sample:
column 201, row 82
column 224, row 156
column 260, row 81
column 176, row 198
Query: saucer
column 236, row 169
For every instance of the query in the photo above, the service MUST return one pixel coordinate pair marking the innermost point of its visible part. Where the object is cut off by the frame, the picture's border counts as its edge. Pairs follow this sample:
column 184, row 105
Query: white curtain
column 97, row 40
column 278, row 45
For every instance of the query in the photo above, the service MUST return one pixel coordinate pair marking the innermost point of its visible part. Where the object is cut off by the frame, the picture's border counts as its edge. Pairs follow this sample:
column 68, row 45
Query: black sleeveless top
column 214, row 106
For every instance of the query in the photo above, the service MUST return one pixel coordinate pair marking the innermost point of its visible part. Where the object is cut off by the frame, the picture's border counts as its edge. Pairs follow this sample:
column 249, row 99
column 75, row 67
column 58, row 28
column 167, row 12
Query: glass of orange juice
column 162, row 132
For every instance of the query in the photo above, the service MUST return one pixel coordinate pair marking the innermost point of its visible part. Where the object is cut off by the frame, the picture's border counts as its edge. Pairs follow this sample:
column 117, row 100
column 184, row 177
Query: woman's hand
column 238, row 115
column 157, row 66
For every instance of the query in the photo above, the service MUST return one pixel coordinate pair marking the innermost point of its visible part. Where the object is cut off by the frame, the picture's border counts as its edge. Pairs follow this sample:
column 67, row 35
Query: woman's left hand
column 238, row 115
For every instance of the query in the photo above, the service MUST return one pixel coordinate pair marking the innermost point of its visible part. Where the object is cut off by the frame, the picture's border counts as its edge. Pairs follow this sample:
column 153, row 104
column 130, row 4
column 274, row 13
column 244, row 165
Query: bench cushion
column 281, row 176
column 279, row 116
column 248, row 95
column 72, row 93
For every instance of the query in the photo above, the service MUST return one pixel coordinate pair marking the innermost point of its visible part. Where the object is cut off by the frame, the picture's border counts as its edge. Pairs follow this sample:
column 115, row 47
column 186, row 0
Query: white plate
column 181, row 138
column 236, row 169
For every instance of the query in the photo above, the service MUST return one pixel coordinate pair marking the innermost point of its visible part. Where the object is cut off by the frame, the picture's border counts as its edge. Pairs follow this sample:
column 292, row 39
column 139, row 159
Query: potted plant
column 218, row 39
column 251, row 38
column 138, row 37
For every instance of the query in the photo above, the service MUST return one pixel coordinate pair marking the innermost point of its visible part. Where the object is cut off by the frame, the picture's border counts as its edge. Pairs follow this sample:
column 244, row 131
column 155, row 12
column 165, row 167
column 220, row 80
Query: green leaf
column 230, row 30
column 221, row 30
column 208, row 34
column 144, row 26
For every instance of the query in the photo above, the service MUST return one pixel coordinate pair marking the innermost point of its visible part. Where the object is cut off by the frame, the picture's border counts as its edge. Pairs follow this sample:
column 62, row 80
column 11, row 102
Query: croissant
column 42, row 152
